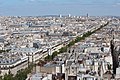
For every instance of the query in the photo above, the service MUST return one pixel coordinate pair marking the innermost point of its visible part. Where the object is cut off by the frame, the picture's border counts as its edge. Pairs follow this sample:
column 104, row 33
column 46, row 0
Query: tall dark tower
column 87, row 15
column 114, row 55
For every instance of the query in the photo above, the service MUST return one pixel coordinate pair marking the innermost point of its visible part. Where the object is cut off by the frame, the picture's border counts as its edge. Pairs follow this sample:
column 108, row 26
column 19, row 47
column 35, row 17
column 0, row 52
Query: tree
column 8, row 77
column 71, row 43
column 54, row 54
column 22, row 74
column 63, row 49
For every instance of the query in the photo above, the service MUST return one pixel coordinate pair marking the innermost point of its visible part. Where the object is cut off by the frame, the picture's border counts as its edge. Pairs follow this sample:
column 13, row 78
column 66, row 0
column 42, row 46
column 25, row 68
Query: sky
column 56, row 7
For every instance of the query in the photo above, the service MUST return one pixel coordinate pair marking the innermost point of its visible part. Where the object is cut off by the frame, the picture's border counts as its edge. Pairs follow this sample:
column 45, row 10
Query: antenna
column 28, row 60
column 112, row 34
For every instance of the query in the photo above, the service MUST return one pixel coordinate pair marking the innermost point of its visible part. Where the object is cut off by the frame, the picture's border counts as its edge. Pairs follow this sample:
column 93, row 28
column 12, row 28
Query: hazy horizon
column 56, row 7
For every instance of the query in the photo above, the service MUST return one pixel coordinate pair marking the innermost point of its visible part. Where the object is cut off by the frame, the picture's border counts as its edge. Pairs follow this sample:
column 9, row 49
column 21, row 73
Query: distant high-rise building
column 69, row 15
column 87, row 15
column 60, row 16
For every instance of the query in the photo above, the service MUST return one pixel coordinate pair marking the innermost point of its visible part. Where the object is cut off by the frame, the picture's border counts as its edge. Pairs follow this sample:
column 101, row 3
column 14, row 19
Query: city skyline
column 55, row 7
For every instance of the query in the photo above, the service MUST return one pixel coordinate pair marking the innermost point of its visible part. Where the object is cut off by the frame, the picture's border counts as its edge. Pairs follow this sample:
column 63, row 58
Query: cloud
column 32, row 0
column 118, row 3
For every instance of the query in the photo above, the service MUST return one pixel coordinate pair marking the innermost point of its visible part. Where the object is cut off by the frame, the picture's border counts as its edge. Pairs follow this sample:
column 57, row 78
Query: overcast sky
column 53, row 7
